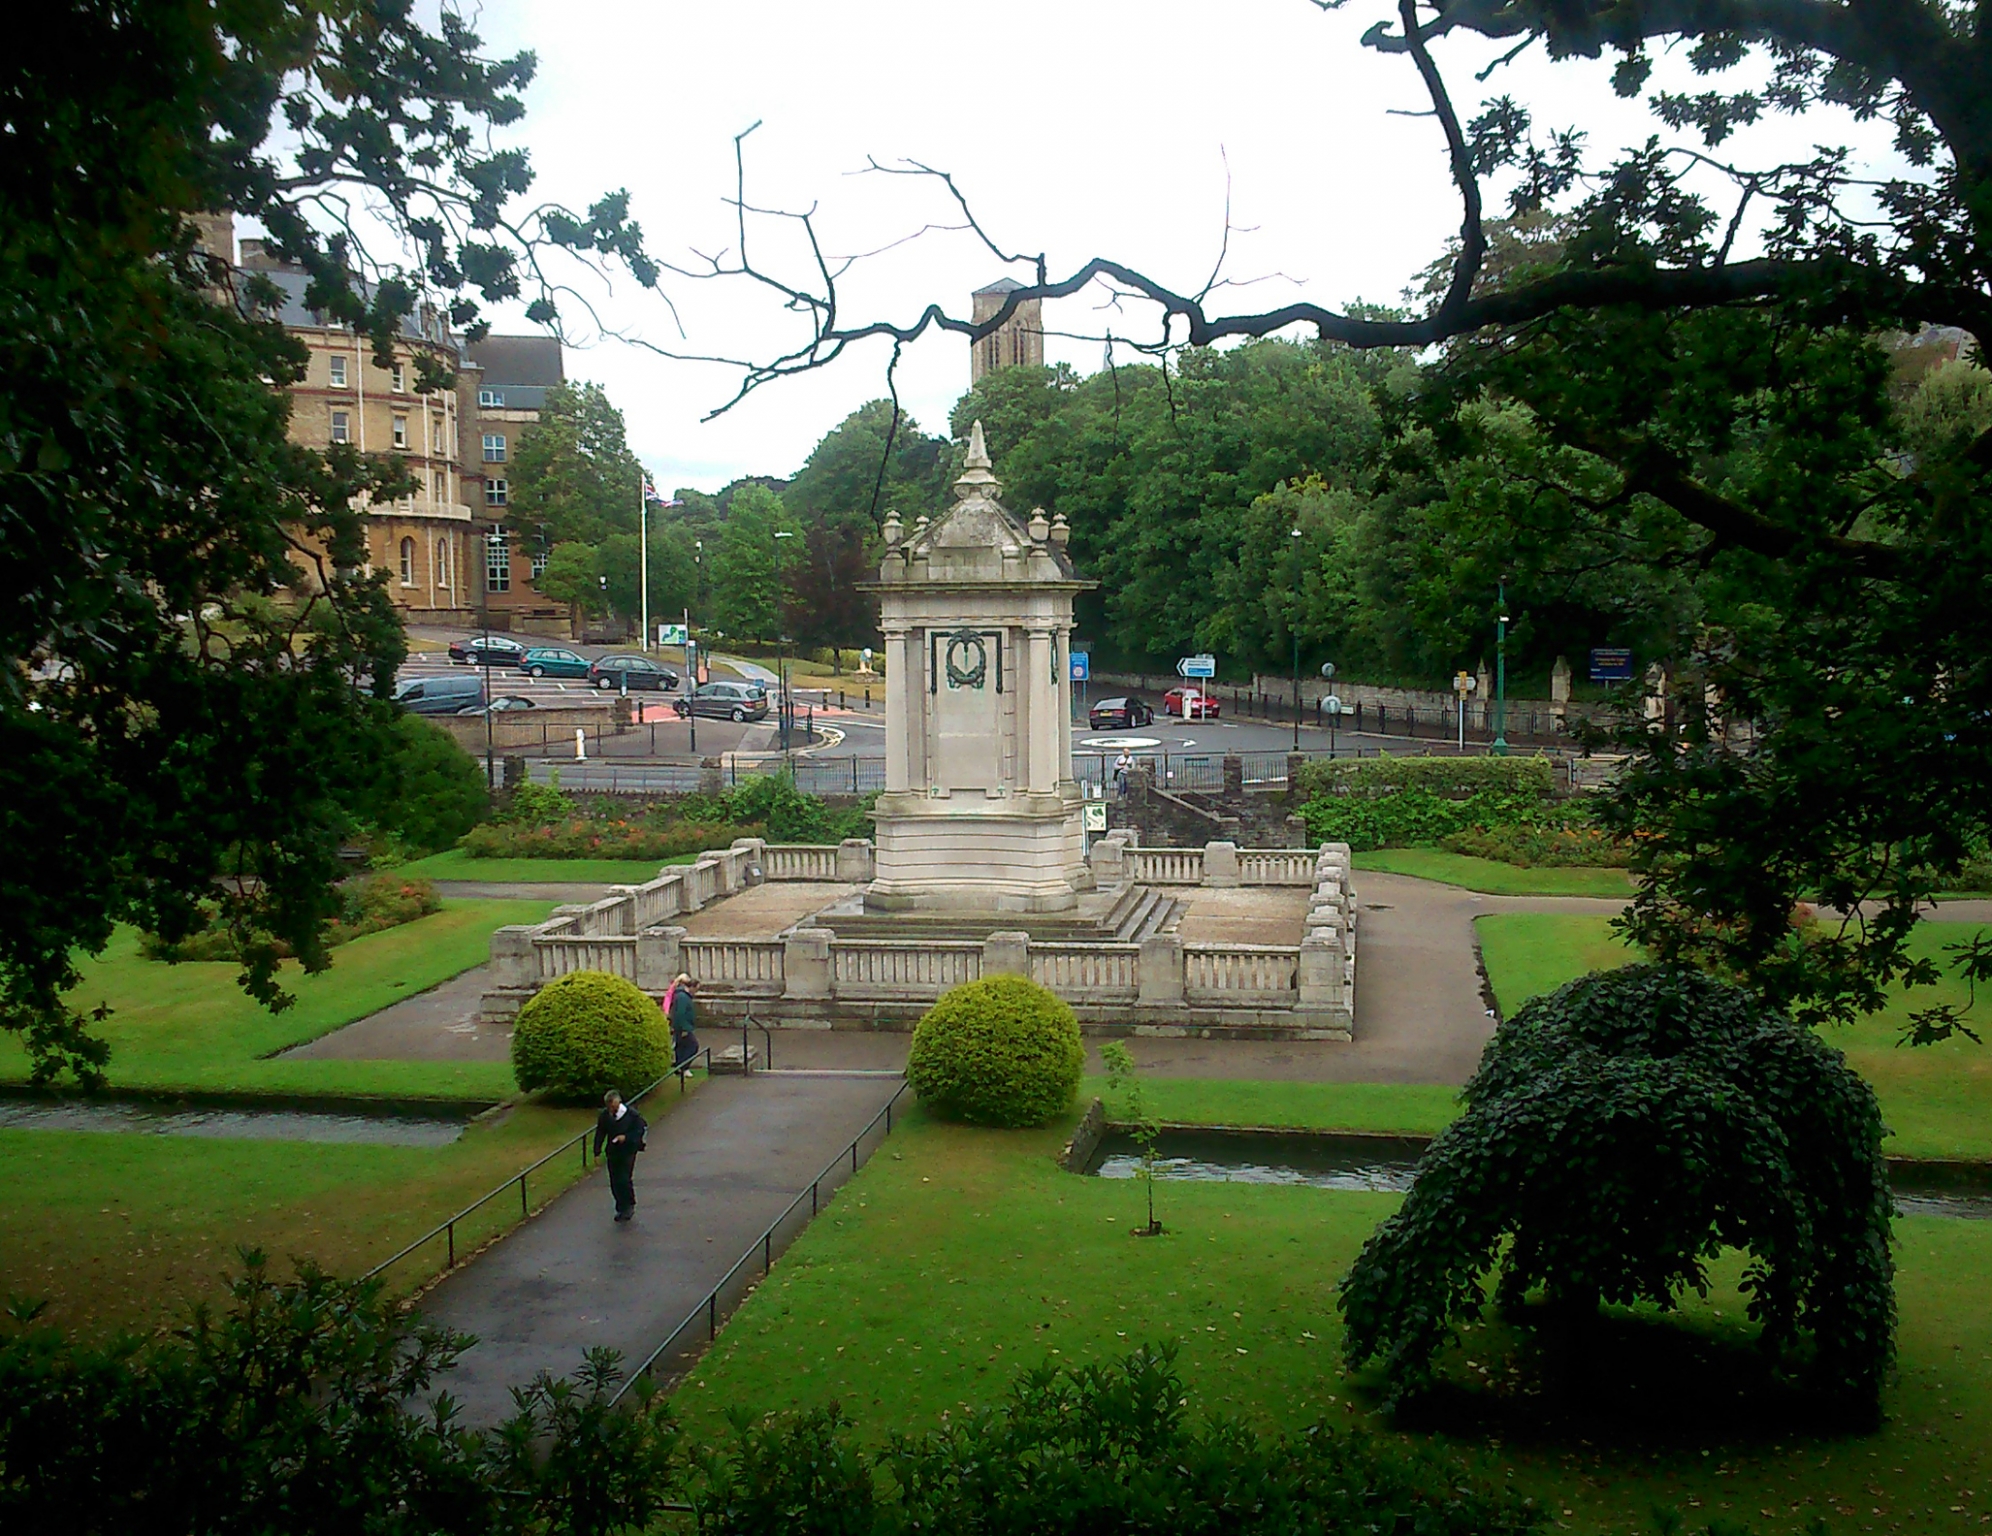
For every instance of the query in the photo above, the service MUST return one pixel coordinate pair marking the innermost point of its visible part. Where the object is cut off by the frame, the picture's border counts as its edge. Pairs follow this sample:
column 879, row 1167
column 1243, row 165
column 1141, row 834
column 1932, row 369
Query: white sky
column 1076, row 127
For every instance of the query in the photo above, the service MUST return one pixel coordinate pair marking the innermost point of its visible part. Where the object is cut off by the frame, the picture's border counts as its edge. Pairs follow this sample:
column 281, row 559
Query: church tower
column 1020, row 339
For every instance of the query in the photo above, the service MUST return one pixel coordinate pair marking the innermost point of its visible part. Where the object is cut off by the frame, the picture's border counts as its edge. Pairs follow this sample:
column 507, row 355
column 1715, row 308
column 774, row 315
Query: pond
column 382, row 1127
column 1386, row 1164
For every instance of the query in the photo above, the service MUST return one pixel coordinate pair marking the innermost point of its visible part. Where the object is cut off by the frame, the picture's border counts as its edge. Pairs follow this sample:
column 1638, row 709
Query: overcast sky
column 1077, row 127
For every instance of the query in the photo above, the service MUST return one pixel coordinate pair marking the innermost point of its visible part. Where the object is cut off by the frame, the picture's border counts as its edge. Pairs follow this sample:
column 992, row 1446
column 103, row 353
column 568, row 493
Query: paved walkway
column 721, row 1166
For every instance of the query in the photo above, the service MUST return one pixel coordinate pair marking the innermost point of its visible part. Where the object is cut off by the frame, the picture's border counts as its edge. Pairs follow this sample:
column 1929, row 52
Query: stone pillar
column 1160, row 970
column 1220, row 864
column 806, row 962
column 898, row 679
column 1296, row 831
column 712, row 778
column 756, row 849
column 1321, row 969
column 514, row 962
column 1294, row 762
column 512, row 772
column 1234, row 776
column 660, row 955
column 1109, row 860
column 1559, row 690
column 1656, row 698
column 1064, row 704
column 1006, row 954
column 854, row 860
column 1040, row 693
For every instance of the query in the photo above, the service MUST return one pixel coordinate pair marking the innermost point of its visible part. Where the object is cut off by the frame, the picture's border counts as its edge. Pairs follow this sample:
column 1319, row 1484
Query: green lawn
column 959, row 1256
column 191, row 1028
column 1493, row 877
column 459, row 865
column 125, row 1230
column 1938, row 1098
column 1414, row 1109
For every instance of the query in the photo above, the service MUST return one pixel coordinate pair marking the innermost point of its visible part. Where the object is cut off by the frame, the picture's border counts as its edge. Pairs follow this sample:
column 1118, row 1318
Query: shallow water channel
column 1387, row 1164
column 385, row 1128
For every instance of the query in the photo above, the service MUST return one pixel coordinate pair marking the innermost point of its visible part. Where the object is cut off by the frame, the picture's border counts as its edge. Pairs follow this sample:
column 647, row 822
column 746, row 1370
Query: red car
column 1201, row 705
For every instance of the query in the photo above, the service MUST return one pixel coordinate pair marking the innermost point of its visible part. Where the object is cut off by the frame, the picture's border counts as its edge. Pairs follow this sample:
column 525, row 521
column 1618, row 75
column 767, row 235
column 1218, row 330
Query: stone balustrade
column 809, row 976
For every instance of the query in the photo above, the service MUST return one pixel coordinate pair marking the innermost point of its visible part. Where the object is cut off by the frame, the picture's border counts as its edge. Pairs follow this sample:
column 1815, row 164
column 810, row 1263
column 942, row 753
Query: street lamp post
column 1333, row 703
column 691, row 646
column 1501, row 673
column 1293, row 629
column 494, row 541
column 785, row 717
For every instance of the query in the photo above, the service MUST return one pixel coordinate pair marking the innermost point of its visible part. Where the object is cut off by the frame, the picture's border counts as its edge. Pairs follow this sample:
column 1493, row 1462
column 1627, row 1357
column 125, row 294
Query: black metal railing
column 762, row 1248
column 447, row 1229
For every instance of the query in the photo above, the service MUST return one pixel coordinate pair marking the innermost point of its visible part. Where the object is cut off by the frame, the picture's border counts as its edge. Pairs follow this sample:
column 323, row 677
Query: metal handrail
column 764, row 1245
column 446, row 1229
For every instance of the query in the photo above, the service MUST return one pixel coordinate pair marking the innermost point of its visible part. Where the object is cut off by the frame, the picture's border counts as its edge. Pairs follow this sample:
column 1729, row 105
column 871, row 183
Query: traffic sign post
column 1463, row 684
column 1197, row 666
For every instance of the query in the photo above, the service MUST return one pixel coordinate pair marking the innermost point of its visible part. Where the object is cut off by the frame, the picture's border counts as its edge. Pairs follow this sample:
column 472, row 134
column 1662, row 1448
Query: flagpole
column 643, row 555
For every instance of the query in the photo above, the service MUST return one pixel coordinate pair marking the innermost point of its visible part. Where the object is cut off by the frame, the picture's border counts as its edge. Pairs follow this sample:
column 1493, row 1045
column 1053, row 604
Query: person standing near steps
column 618, row 1138
column 682, row 1009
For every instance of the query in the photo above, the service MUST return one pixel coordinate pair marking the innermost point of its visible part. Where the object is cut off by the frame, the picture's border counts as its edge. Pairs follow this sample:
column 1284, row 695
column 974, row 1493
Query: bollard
column 580, row 744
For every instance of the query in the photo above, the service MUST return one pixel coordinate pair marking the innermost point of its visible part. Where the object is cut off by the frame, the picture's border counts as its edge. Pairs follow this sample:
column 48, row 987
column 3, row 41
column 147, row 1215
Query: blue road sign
column 1082, row 665
column 1197, row 666
column 1611, row 665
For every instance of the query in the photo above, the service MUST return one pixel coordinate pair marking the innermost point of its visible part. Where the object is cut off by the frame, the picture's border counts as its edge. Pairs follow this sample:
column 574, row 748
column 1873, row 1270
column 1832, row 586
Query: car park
column 1120, row 714
column 504, row 704
column 439, row 694
column 725, row 701
column 487, row 650
column 1189, row 704
column 552, row 661
column 631, row 672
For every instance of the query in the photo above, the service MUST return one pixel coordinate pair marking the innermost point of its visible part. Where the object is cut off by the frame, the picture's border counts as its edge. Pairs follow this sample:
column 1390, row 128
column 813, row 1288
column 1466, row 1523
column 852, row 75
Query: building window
column 494, row 447
column 338, row 373
column 342, row 427
column 539, row 563
column 443, row 562
column 401, row 432
column 494, row 397
column 441, row 492
column 398, row 379
column 408, row 562
column 498, row 561
column 495, row 492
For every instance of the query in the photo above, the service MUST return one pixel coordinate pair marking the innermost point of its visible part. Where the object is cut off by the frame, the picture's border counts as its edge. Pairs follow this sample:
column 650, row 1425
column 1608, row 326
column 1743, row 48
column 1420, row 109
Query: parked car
column 724, row 701
column 1201, row 705
column 439, row 695
column 1119, row 714
column 487, row 650
column 631, row 672
column 552, row 661
column 505, row 703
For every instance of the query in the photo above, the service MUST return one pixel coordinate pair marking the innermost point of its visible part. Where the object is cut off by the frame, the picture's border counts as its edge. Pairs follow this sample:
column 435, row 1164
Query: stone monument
column 980, row 812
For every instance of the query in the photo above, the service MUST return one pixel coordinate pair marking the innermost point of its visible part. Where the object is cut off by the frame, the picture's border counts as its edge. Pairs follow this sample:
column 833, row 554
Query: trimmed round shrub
column 1000, row 1051
column 586, row 1033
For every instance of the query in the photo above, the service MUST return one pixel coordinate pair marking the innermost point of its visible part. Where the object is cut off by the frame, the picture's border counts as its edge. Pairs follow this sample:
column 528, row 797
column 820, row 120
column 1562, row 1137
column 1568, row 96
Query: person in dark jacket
column 618, row 1138
column 684, row 1016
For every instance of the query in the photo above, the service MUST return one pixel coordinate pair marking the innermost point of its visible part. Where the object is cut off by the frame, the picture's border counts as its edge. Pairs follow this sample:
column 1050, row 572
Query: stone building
column 510, row 377
column 1019, row 339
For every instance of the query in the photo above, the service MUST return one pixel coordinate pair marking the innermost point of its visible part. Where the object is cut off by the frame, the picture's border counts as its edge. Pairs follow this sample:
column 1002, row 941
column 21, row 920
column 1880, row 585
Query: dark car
column 504, row 704
column 1119, row 714
column 725, row 701
column 439, row 694
column 552, row 661
column 486, row 650
column 631, row 672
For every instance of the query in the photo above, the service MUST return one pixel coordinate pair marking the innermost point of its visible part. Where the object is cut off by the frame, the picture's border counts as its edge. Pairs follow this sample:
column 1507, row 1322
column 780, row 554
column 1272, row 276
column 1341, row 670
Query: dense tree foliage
column 759, row 548
column 187, row 632
column 1619, row 1133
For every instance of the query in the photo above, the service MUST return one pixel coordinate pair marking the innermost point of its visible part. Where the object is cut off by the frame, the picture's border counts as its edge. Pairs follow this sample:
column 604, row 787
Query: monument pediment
column 978, row 538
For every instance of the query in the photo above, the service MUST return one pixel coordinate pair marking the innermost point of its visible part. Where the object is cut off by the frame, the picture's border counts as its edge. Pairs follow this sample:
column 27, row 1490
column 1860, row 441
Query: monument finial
column 976, row 480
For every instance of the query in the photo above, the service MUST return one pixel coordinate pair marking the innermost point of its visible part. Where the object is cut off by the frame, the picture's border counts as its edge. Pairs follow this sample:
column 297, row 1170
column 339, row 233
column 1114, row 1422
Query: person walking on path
column 682, row 1009
column 618, row 1138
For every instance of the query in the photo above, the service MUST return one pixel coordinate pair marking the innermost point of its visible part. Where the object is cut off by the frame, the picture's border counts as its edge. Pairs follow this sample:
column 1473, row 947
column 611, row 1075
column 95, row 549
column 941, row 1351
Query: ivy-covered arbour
column 1619, row 1133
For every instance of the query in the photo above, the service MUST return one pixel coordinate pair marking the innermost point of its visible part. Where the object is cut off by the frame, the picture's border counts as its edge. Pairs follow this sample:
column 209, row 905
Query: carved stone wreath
column 971, row 675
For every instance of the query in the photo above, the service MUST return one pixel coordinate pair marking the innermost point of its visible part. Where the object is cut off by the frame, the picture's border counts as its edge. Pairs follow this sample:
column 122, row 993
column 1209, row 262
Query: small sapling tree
column 1124, row 1078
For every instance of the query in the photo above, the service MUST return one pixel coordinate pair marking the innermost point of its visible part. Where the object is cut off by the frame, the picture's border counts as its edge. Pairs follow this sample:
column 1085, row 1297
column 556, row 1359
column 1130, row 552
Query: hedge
column 1451, row 777
column 1000, row 1051
column 589, row 1032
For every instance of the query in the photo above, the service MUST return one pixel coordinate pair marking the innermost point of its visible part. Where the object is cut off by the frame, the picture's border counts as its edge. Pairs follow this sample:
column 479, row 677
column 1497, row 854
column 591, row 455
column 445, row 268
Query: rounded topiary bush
column 587, row 1033
column 1000, row 1051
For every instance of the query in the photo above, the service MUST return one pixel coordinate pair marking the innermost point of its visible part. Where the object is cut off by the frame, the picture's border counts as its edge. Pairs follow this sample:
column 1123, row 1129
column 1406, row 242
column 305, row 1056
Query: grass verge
column 958, row 1256
column 1414, row 1109
column 191, row 1028
column 1937, row 1098
column 1492, row 877
column 459, row 865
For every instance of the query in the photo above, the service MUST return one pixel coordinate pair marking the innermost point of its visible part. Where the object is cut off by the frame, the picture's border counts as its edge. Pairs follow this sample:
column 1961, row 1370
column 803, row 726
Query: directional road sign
column 1197, row 666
